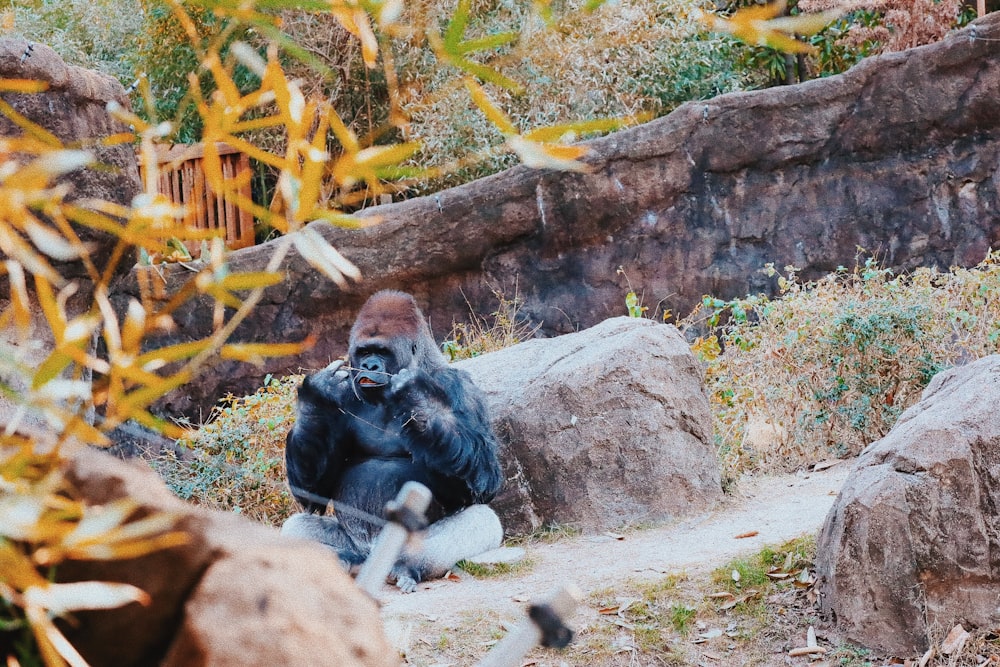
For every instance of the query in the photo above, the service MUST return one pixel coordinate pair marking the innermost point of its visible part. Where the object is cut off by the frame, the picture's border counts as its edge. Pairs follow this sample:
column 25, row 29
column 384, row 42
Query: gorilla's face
column 374, row 362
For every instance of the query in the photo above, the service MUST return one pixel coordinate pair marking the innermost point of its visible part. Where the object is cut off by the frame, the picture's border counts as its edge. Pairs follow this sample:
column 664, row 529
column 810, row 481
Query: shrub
column 828, row 367
column 237, row 461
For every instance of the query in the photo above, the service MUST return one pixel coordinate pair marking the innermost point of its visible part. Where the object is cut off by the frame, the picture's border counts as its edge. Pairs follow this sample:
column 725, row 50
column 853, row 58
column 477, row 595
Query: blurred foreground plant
column 42, row 525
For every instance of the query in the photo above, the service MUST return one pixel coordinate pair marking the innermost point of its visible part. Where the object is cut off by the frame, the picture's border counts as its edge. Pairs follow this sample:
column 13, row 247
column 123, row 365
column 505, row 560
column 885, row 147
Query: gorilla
column 395, row 412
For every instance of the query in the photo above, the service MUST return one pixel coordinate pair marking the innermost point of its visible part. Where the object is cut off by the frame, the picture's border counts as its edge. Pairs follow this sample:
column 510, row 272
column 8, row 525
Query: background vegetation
column 337, row 103
column 632, row 59
column 827, row 368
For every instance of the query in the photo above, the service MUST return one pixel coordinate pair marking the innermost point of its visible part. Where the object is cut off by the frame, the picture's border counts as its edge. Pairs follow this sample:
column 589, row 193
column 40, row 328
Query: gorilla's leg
column 325, row 530
column 462, row 535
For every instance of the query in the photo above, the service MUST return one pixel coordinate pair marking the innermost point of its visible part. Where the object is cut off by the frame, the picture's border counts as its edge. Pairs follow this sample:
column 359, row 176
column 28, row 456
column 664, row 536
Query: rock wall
column 73, row 108
column 900, row 156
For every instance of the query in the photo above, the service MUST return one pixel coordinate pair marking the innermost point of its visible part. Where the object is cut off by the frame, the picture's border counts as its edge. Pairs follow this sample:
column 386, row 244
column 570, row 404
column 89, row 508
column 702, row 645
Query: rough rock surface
column 912, row 544
column 600, row 428
column 237, row 594
column 73, row 108
column 900, row 155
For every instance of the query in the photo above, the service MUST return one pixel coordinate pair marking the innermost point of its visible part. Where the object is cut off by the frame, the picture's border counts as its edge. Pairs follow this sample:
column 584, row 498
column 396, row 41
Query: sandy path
column 779, row 508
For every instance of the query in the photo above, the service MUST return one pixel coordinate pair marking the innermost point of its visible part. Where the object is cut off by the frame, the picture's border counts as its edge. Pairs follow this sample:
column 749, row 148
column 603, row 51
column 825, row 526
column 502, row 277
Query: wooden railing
column 182, row 179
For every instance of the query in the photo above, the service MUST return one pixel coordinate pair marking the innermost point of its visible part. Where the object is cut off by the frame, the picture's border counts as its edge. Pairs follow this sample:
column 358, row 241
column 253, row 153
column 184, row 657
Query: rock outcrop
column 73, row 109
column 900, row 155
column 601, row 428
column 912, row 544
column 237, row 594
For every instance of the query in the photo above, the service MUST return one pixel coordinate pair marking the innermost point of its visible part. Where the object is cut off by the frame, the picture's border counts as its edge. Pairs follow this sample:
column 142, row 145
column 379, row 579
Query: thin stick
column 510, row 651
column 415, row 498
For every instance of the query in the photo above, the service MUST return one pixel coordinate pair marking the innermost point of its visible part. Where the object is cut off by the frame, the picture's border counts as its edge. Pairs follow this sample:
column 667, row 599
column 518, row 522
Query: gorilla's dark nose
column 373, row 363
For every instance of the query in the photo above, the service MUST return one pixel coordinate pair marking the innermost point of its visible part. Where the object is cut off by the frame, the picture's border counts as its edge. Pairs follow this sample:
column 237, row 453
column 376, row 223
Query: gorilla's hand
column 400, row 382
column 421, row 395
column 324, row 387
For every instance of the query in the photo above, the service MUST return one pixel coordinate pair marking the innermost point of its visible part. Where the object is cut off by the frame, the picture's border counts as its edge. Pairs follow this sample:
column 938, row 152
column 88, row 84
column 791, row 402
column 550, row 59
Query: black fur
column 399, row 414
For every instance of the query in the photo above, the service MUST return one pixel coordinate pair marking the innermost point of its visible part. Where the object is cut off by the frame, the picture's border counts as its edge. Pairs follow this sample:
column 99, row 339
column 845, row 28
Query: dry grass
column 503, row 328
column 827, row 368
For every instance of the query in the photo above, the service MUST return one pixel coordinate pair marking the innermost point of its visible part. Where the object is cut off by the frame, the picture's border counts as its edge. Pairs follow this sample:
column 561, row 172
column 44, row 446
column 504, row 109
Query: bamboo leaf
column 60, row 599
column 134, row 326
column 256, row 352
column 171, row 353
column 20, row 302
column 86, row 433
column 492, row 112
column 323, row 257
column 549, row 156
column 556, row 132
column 23, row 86
column 51, row 243
column 48, row 370
column 456, row 26
column 493, row 41
column 32, row 129
column 385, row 156
column 126, row 549
column 251, row 280
column 485, row 73
column 763, row 25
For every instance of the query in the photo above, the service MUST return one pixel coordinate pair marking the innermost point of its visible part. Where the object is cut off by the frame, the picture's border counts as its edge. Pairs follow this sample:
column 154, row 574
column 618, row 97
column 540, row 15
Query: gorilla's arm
column 309, row 449
column 450, row 432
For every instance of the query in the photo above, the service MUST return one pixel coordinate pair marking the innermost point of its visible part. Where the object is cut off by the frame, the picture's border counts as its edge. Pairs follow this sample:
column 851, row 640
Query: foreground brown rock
column 600, row 428
column 900, row 156
column 912, row 544
column 238, row 594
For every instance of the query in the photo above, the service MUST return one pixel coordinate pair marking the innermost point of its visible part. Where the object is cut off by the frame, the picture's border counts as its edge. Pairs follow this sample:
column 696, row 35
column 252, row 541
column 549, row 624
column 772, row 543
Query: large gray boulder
column 600, row 428
column 912, row 545
column 237, row 594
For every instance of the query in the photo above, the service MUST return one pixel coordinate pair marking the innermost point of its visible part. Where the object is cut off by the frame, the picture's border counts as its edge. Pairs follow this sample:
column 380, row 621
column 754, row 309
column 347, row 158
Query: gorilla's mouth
column 368, row 381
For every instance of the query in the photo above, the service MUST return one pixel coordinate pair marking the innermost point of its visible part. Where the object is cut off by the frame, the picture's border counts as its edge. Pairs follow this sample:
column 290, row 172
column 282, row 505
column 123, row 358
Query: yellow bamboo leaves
column 539, row 148
column 42, row 525
column 764, row 25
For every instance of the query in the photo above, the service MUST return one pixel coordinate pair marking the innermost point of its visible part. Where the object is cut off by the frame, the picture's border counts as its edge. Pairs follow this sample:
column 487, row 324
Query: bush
column 237, row 461
column 827, row 368
column 97, row 34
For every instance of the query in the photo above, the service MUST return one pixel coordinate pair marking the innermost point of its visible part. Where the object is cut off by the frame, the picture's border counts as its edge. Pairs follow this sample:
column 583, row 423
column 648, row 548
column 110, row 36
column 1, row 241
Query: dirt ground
column 775, row 508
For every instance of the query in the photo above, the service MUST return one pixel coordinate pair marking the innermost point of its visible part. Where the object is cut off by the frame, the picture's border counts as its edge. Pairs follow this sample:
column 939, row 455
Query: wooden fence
column 182, row 179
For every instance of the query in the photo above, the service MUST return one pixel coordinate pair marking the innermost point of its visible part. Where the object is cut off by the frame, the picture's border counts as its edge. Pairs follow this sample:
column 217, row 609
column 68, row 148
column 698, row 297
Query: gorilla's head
column 389, row 335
